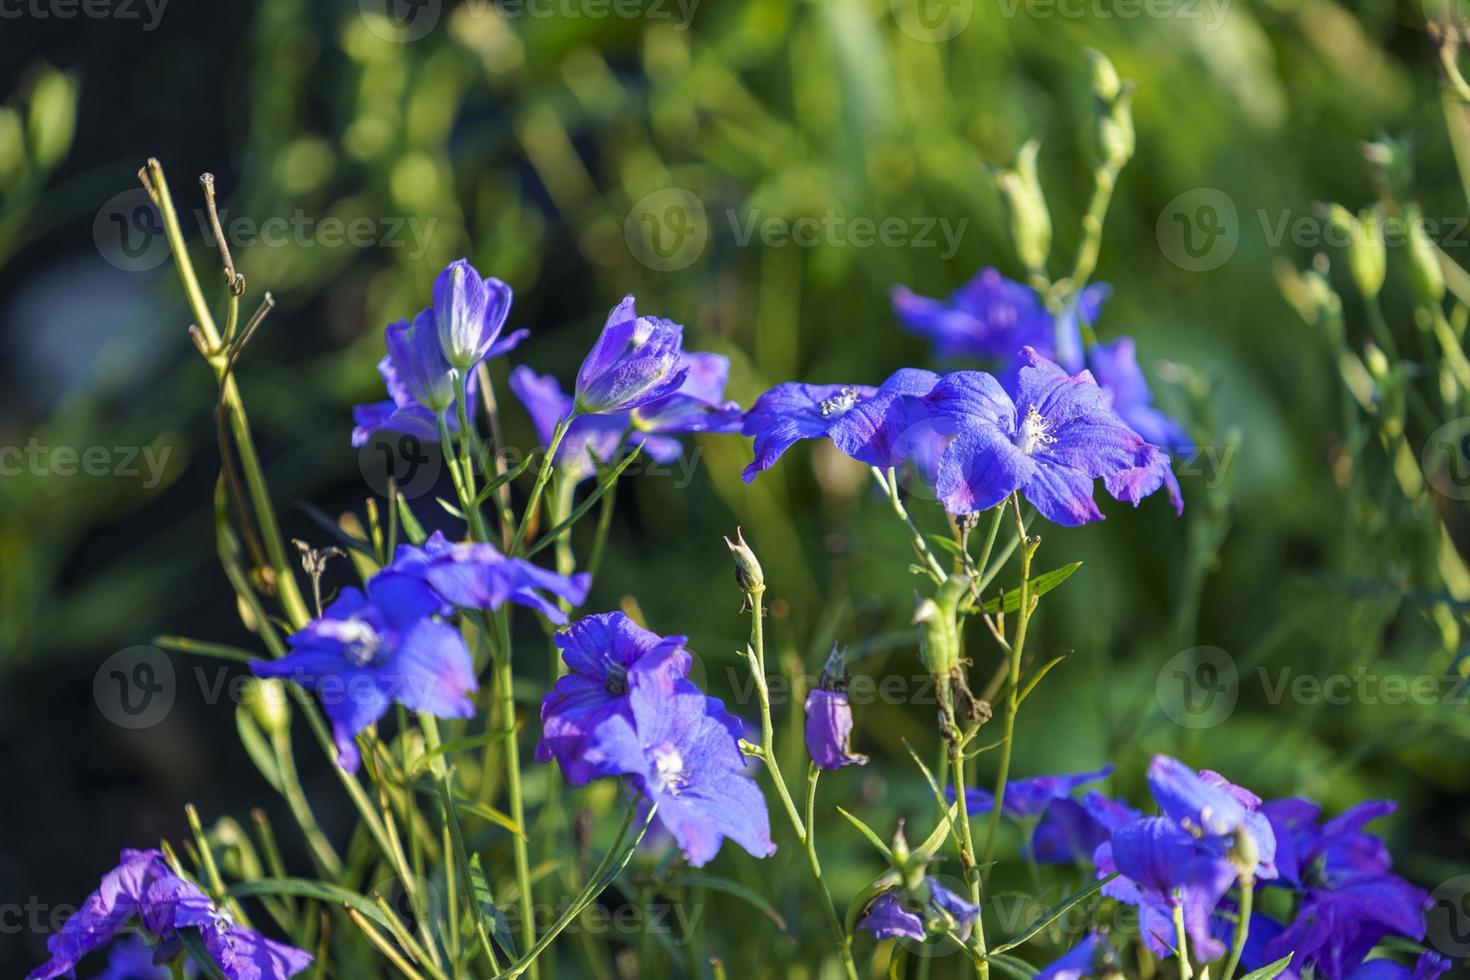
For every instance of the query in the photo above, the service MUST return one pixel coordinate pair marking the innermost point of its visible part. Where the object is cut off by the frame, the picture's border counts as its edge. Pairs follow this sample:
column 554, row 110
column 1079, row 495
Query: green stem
column 466, row 465
column 1185, row 970
column 1242, row 928
column 505, row 685
column 1104, row 180
column 967, row 851
column 844, row 943
column 548, row 463
column 889, row 482
column 768, row 731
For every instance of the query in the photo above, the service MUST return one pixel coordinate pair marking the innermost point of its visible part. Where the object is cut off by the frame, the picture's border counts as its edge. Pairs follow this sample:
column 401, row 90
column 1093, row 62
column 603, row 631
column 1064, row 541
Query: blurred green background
column 530, row 137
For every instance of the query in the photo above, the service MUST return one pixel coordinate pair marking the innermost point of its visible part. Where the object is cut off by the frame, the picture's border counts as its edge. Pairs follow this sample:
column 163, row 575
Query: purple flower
column 365, row 652
column 1092, row 957
column 587, row 436
column 469, row 313
column 680, row 750
column 132, row 959
column 1115, row 366
column 1214, row 810
column 636, row 360
column 993, row 317
column 1350, row 898
column 1064, row 830
column 1428, row 966
column 607, row 654
column 1027, row 799
column 829, row 718
column 698, row 405
column 889, row 917
column 1050, row 438
column 478, row 576
column 868, row 424
column 143, row 890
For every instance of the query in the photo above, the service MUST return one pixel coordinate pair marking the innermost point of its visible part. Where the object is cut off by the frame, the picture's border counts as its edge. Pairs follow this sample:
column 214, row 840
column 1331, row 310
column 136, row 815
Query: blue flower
column 932, row 907
column 143, row 890
column 993, row 317
column 1064, row 830
column 681, row 751
column 587, row 436
column 636, row 360
column 1215, row 811
column 1092, row 957
column 1050, row 437
column 367, row 651
column 478, row 576
column 469, row 314
column 1349, row 897
column 698, row 405
column 868, row 424
column 1115, row 367
column 607, row 655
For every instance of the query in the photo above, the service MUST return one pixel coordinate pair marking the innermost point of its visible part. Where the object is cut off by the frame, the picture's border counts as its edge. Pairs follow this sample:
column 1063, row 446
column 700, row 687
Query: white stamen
column 839, row 403
column 668, row 768
column 1035, row 432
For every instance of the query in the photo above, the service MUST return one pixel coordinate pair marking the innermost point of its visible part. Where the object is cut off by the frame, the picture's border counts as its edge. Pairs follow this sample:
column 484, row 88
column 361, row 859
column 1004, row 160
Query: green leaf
column 411, row 525
column 946, row 543
column 503, row 479
column 307, row 888
column 203, row 648
column 586, row 505
column 869, row 833
column 477, row 809
column 739, row 891
column 1012, row 967
column 454, row 746
column 256, row 747
column 1054, row 913
column 500, row 928
column 1271, row 970
column 1039, row 586
column 931, row 844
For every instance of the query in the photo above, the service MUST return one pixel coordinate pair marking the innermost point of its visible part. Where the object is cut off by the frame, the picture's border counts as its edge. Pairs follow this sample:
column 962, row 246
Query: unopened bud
column 1363, row 237
column 1020, row 190
column 267, row 699
column 748, row 574
column 1105, row 82
column 1424, row 271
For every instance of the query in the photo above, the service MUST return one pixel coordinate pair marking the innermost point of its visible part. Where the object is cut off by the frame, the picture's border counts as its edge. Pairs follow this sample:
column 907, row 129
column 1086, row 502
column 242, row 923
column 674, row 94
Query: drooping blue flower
column 469, row 314
column 367, row 651
column 636, row 360
column 607, row 654
column 1115, row 367
column 1214, row 811
column 680, row 750
column 477, row 576
column 1092, row 957
column 1050, row 437
column 829, row 718
column 868, row 424
column 993, row 317
column 143, row 891
column 931, row 907
column 698, row 405
column 587, row 436
column 1350, row 899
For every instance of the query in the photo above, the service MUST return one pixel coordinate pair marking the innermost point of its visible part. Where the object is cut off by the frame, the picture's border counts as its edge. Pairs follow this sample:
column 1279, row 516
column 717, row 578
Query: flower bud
column 1112, row 128
column 1363, row 239
column 1424, row 271
column 1393, row 166
column 748, row 574
column 829, row 718
column 939, row 643
column 1245, row 855
column 1020, row 190
column 1105, row 82
column 266, row 697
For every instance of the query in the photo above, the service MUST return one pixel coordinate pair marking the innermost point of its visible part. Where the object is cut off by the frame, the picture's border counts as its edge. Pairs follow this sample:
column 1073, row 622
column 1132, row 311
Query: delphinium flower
column 993, row 317
column 143, row 892
column 636, row 360
column 477, row 576
column 1115, row 367
column 869, row 424
column 1349, row 897
column 426, row 355
column 1212, row 834
column 366, row 651
column 829, row 718
column 607, row 654
column 1063, row 829
column 697, row 405
column 1050, row 438
column 914, row 913
column 1094, row 956
column 469, row 313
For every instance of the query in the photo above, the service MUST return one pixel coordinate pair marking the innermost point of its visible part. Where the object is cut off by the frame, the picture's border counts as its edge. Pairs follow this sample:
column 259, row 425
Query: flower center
column 839, row 403
column 668, row 769
column 1035, row 432
column 361, row 644
column 617, row 678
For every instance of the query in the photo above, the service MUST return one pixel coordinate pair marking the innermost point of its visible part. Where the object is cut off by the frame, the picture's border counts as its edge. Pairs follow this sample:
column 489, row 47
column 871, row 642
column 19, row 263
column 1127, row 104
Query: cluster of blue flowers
column 1212, row 836
column 142, row 894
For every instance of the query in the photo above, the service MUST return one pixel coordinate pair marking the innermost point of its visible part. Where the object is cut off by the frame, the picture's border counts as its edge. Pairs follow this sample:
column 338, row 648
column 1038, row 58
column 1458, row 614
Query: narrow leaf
column 869, row 833
column 1038, row 586
column 739, row 891
column 499, row 927
column 307, row 888
column 1271, row 970
column 1056, row 912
